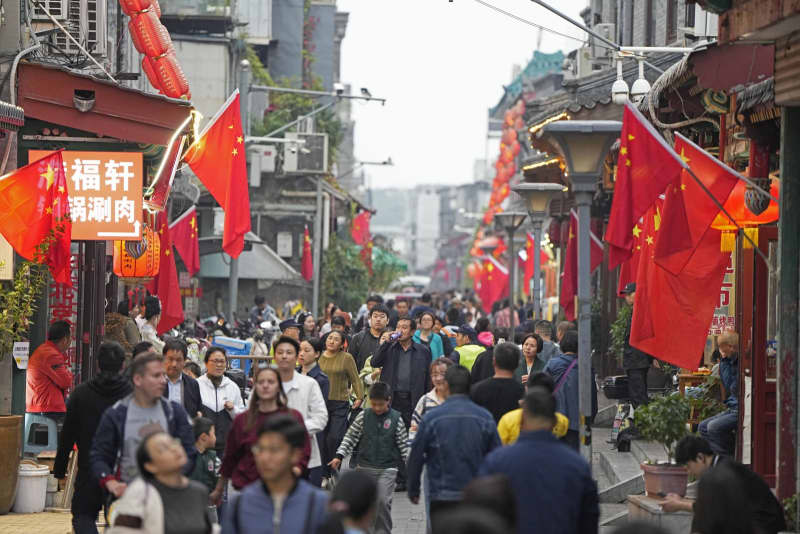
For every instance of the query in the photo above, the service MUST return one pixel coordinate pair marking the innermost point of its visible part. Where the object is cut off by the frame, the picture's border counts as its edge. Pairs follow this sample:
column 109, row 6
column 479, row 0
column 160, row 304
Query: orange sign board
column 105, row 193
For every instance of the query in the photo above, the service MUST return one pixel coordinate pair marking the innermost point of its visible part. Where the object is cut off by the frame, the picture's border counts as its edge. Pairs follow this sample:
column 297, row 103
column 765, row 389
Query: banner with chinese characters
column 725, row 314
column 105, row 193
column 63, row 306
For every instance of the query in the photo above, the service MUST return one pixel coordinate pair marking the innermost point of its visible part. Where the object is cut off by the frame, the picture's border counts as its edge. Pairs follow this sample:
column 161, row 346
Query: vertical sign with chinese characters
column 63, row 306
column 725, row 314
column 105, row 193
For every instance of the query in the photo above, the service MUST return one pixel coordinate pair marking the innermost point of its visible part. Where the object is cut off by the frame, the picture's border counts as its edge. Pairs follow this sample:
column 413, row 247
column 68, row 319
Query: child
column 382, row 444
column 206, row 468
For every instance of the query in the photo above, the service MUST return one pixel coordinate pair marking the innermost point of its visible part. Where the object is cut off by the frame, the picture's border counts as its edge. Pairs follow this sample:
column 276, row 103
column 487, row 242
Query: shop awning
column 48, row 93
column 258, row 263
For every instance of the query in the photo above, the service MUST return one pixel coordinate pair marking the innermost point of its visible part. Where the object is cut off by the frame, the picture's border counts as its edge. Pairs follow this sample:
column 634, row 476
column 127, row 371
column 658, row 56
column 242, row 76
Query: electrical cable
column 538, row 26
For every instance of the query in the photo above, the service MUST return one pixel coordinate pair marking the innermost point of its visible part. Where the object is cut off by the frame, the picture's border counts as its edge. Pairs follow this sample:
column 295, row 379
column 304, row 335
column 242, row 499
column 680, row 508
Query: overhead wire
column 538, row 26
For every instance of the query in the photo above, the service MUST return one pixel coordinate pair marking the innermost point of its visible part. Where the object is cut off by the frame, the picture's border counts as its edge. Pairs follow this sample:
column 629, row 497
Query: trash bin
column 31, row 488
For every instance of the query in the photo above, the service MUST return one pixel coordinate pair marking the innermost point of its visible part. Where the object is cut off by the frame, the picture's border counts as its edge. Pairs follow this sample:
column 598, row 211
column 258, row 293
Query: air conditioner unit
column 308, row 158
column 57, row 8
column 86, row 22
column 262, row 159
column 600, row 49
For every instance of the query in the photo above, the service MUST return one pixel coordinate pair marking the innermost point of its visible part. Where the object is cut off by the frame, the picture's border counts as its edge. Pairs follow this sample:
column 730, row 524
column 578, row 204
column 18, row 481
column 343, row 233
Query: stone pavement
column 407, row 518
column 44, row 523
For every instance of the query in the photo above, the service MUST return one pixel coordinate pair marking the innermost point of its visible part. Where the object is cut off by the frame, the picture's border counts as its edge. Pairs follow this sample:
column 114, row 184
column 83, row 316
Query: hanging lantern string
column 739, row 229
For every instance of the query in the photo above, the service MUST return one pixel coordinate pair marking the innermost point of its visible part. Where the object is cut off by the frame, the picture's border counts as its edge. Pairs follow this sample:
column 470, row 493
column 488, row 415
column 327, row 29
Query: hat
column 467, row 330
column 629, row 288
column 289, row 323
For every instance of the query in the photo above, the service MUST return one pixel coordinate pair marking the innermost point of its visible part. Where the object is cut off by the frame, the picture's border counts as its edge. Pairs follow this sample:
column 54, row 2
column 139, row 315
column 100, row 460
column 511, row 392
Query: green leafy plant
column 706, row 402
column 790, row 511
column 619, row 329
column 345, row 280
column 386, row 268
column 664, row 420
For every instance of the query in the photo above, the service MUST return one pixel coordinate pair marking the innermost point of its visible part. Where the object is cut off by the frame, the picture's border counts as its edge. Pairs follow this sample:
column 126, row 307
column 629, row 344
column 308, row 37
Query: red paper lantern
column 520, row 107
column 138, row 261
column 149, row 36
column 132, row 7
column 508, row 155
column 519, row 124
column 512, row 133
column 168, row 74
column 735, row 205
column 515, row 148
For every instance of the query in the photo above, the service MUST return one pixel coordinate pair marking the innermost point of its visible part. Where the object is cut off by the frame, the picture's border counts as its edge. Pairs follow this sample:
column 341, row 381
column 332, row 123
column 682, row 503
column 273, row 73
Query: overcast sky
column 441, row 65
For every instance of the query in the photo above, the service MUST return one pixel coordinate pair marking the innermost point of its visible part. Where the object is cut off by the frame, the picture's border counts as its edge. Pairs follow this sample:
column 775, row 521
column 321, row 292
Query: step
column 619, row 466
column 620, row 491
column 648, row 451
column 605, row 416
column 613, row 514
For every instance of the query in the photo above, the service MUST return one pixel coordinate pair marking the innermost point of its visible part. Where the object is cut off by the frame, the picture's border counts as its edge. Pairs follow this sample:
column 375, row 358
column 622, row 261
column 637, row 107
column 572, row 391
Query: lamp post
column 537, row 197
column 583, row 145
column 510, row 221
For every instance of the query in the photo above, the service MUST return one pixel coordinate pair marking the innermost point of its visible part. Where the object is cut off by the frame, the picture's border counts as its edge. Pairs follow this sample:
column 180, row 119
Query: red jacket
column 47, row 379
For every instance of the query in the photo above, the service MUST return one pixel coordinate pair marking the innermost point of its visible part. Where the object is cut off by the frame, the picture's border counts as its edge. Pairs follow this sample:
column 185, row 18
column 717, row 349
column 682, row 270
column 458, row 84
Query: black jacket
column 483, row 367
column 85, row 406
column 191, row 395
column 633, row 358
column 362, row 346
column 386, row 358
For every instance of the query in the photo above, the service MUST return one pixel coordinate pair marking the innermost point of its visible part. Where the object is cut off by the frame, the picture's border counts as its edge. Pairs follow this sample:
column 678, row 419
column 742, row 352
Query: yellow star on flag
column 60, row 188
column 627, row 162
column 235, row 152
column 49, row 175
column 631, row 137
column 48, row 210
column 192, row 222
column 623, row 150
column 683, row 187
column 230, row 127
column 571, row 235
column 638, row 247
column 239, row 139
column 683, row 156
column 649, row 239
column 490, row 267
column 636, row 230
column 166, row 252
column 657, row 219
column 55, row 201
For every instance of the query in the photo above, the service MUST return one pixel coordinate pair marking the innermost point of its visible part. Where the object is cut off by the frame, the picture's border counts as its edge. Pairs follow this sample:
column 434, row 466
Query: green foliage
column 664, row 420
column 345, row 280
column 707, row 404
column 386, row 268
column 790, row 511
column 619, row 329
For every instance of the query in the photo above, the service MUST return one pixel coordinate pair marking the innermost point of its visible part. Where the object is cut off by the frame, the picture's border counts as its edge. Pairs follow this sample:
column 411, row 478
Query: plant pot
column 10, row 454
column 662, row 479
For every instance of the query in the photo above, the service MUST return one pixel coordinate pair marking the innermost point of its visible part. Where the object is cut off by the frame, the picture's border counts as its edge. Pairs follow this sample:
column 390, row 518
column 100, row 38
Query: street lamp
column 510, row 221
column 537, row 197
column 583, row 145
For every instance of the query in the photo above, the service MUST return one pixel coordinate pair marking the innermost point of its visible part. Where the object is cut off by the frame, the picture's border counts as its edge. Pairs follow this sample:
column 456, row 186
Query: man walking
column 451, row 442
column 549, row 349
column 47, row 378
column 279, row 502
column 365, row 343
column 553, row 484
column 500, row 393
column 181, row 388
column 635, row 362
column 467, row 348
column 124, row 425
column 85, row 407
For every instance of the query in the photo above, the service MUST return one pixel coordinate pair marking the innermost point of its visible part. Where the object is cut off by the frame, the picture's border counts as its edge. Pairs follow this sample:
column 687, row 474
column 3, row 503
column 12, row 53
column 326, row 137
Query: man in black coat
column 635, row 362
column 85, row 406
column 180, row 388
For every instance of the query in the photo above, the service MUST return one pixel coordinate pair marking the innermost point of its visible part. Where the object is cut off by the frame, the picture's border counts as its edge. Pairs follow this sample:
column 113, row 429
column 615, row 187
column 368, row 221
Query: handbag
column 564, row 376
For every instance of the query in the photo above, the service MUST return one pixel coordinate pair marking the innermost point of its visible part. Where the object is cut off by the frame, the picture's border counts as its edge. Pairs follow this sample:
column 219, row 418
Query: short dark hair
column 493, row 493
column 290, row 340
column 380, row 391
column 212, row 350
column 565, row 326
column 201, row 425
column 540, row 402
column 339, row 320
column 689, row 447
column 458, row 379
column 412, row 322
column 482, row 325
column 193, row 367
column 541, row 380
column 453, row 315
column 316, row 344
column 426, row 297
column 398, row 300
column 259, row 300
column 110, row 357
column 176, row 344
column 506, row 356
column 569, row 343
column 501, row 332
column 123, row 308
column 286, row 426
column 375, row 298
column 152, row 307
column 379, row 308
column 543, row 325
column 142, row 346
column 142, row 360
column 355, row 491
column 537, row 337
column 143, row 456
column 58, row 331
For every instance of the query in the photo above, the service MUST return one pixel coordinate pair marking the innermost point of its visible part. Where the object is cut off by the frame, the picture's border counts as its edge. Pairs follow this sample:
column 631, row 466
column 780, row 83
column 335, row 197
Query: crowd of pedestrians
column 479, row 425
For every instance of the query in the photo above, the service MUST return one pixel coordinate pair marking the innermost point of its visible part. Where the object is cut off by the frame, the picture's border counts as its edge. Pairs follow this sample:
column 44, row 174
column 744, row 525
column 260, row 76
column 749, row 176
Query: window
column 672, row 21
column 689, row 15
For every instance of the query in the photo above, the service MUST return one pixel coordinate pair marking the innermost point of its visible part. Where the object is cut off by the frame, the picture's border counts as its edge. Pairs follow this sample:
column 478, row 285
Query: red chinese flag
column 307, row 265
column 33, row 202
column 493, row 284
column 165, row 284
column 672, row 313
column 183, row 232
column 646, row 165
column 528, row 261
column 360, row 229
column 218, row 160
column 569, row 278
column 630, row 267
column 688, row 209
column 501, row 247
column 366, row 255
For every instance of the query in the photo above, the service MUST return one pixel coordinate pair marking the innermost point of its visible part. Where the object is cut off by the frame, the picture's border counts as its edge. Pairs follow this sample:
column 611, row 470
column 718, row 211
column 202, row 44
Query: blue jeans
column 720, row 432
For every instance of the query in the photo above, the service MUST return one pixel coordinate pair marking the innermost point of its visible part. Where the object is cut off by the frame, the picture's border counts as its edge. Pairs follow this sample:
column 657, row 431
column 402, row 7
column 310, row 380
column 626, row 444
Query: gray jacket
column 303, row 511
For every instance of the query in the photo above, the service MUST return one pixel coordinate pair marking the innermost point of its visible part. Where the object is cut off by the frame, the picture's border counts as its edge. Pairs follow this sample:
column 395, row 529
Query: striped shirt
column 424, row 405
column 342, row 373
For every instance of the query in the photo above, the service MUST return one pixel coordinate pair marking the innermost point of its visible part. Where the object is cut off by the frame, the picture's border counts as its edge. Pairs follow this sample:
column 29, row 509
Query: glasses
column 218, row 362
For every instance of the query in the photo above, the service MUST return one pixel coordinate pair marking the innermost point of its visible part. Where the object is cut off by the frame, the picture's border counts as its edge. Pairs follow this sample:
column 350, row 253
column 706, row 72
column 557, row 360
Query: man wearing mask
column 365, row 343
column 85, row 406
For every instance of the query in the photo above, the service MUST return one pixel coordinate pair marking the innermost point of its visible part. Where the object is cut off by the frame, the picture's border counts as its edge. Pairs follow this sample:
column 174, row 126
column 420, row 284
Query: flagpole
column 537, row 267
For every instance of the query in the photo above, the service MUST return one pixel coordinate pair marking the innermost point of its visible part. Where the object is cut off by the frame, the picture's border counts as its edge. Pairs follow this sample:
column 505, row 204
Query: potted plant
column 663, row 420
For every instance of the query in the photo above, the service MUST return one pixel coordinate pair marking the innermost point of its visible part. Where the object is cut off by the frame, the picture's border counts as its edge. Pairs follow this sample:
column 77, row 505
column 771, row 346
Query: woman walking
column 221, row 397
column 310, row 353
column 426, row 336
column 529, row 363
